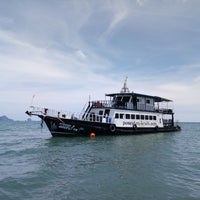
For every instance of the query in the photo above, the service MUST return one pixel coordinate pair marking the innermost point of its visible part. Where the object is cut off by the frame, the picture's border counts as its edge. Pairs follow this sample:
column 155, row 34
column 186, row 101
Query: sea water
column 34, row 165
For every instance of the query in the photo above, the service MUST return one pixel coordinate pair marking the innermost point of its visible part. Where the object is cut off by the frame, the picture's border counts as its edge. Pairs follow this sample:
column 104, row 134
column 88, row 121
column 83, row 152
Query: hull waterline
column 71, row 127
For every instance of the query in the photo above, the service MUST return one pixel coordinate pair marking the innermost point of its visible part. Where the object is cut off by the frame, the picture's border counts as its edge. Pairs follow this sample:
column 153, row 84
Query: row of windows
column 132, row 116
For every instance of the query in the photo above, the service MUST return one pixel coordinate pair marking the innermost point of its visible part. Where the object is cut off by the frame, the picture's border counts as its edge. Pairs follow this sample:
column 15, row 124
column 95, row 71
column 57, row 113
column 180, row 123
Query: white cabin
column 130, row 109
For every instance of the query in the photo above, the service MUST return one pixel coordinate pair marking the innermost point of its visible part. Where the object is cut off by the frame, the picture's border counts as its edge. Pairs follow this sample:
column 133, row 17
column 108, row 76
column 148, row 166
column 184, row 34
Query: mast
column 125, row 88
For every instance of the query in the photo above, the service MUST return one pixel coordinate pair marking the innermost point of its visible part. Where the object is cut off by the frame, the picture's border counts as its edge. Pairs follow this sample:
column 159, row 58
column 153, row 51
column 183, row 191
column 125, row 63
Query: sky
column 63, row 52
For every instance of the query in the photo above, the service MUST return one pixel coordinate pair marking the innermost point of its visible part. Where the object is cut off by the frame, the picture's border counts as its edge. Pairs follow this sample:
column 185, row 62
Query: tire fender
column 112, row 128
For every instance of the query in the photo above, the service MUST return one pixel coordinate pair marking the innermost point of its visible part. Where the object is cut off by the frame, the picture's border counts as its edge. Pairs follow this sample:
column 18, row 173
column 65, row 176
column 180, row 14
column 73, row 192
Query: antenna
column 32, row 99
column 125, row 88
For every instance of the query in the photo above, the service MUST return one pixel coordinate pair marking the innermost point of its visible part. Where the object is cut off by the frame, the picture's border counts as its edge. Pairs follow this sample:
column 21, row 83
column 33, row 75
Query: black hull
column 74, row 127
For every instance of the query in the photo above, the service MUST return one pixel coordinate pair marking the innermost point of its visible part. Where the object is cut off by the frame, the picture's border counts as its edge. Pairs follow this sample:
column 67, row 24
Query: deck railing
column 167, row 122
column 97, row 118
column 165, row 111
column 51, row 112
column 68, row 115
column 101, row 103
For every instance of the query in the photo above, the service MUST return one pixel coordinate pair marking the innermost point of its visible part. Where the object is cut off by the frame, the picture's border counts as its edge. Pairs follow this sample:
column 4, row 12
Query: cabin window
column 92, row 116
column 107, row 112
column 116, row 115
column 146, row 117
column 141, row 100
column 101, row 112
column 137, row 116
column 150, row 117
column 119, row 98
column 126, row 99
column 127, row 116
column 121, row 116
column 132, row 116
column 148, row 101
column 154, row 117
column 142, row 116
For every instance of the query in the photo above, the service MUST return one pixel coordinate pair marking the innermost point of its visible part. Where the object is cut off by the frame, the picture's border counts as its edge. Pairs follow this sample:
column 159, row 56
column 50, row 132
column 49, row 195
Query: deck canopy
column 156, row 98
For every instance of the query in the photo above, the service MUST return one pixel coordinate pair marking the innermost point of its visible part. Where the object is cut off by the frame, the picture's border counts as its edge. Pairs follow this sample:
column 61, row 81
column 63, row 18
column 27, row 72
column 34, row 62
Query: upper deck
column 134, row 101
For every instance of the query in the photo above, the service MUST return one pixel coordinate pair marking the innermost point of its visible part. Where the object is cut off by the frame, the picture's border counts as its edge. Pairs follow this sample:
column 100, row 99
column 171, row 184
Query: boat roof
column 156, row 98
column 125, row 92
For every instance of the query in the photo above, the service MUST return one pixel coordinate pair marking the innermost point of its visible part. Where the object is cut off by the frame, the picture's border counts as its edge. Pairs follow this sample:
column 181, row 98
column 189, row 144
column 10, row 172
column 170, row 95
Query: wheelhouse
column 136, row 101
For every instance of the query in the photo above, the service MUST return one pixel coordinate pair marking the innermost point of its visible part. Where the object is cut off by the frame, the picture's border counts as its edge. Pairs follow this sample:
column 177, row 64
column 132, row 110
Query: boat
column 120, row 113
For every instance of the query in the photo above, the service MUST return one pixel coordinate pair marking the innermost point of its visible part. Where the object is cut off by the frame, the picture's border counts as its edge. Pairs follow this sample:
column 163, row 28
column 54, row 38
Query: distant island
column 4, row 118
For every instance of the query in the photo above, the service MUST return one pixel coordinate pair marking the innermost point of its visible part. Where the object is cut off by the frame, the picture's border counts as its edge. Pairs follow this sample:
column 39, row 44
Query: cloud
column 141, row 2
column 197, row 79
column 119, row 14
column 174, row 87
column 64, row 51
column 81, row 55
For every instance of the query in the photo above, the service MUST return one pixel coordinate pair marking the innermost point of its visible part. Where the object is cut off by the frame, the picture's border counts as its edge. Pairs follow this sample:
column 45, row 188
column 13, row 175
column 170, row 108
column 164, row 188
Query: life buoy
column 134, row 126
column 112, row 128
